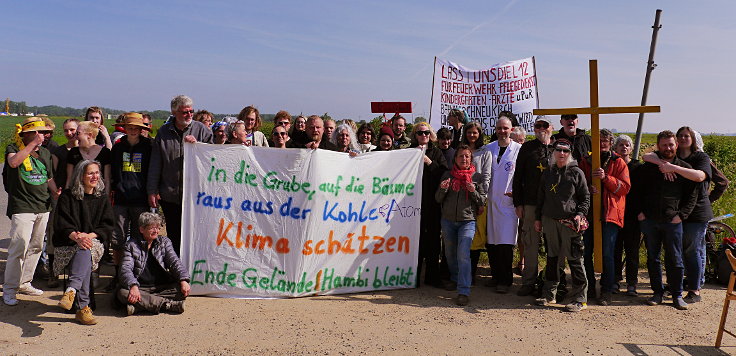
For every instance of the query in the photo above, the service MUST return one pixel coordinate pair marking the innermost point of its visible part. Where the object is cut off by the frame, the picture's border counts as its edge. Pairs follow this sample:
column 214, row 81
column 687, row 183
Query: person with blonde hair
column 95, row 114
column 88, row 150
column 424, row 138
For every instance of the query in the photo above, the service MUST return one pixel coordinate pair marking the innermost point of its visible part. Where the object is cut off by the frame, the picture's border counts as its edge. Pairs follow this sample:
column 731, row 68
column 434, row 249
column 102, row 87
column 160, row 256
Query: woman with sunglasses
column 474, row 138
column 429, row 226
column 279, row 136
column 562, row 204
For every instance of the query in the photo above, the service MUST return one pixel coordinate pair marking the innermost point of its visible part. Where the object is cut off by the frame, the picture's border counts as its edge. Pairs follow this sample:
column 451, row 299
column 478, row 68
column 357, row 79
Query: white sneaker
column 9, row 297
column 28, row 289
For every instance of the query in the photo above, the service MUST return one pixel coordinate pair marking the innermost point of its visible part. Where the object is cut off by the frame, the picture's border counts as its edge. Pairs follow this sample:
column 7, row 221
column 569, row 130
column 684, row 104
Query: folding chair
column 730, row 295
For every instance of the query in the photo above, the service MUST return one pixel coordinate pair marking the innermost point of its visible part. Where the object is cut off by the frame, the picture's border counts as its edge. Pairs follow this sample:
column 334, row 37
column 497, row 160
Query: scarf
column 461, row 178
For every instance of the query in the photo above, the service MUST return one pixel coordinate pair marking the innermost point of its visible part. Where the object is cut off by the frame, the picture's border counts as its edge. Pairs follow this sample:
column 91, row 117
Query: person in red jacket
column 615, row 183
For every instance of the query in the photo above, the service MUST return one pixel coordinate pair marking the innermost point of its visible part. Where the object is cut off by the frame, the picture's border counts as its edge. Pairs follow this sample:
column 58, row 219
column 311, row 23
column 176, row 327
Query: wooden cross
column 594, row 110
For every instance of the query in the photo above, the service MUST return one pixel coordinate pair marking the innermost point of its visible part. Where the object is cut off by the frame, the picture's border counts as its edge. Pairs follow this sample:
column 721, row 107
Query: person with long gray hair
column 84, row 218
column 345, row 140
column 152, row 277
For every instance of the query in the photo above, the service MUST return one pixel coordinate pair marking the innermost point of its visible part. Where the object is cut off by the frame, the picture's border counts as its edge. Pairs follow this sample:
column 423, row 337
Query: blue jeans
column 458, row 237
column 668, row 235
column 608, row 277
column 693, row 253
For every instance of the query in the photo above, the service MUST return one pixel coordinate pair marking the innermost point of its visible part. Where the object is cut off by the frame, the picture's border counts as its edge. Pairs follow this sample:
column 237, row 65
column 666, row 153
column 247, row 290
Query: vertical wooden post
column 595, row 133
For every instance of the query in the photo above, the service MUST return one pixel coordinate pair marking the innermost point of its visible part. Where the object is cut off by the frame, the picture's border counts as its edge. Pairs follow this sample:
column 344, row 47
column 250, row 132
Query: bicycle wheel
column 718, row 231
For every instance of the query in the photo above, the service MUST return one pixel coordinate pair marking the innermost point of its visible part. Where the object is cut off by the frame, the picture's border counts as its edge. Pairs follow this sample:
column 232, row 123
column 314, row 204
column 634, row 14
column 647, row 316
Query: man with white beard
column 502, row 221
column 581, row 142
column 532, row 161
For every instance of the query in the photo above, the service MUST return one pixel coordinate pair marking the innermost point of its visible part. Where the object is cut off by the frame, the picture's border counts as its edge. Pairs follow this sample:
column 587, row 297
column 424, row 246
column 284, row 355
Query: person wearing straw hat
column 29, row 175
column 130, row 159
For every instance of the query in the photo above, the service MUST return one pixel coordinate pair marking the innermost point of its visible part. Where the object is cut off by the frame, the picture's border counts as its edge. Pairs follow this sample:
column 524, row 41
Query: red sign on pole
column 382, row 107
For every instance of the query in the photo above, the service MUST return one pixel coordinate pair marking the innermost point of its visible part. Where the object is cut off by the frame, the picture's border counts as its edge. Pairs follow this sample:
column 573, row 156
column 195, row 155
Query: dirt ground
column 415, row 321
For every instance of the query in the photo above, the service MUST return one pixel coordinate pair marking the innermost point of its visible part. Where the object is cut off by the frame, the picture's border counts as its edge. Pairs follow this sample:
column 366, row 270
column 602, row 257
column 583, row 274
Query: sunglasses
column 563, row 150
column 188, row 112
column 283, row 123
column 45, row 132
column 424, row 133
column 282, row 134
column 541, row 125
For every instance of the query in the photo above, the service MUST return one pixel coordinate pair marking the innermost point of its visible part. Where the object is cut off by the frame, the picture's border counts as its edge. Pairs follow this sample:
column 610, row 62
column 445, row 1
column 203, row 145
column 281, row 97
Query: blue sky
column 323, row 56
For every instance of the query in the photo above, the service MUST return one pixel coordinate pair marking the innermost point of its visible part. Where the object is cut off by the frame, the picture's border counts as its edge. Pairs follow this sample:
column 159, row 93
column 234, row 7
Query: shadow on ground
column 659, row 349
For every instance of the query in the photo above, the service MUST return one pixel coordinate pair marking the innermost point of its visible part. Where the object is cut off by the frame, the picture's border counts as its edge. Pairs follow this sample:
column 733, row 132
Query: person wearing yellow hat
column 131, row 156
column 28, row 174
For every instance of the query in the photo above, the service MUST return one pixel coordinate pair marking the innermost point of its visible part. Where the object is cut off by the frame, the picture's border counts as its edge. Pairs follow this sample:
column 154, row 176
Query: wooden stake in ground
column 594, row 110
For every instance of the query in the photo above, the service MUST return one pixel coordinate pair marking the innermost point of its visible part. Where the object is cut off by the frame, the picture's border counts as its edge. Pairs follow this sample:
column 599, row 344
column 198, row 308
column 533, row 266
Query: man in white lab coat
column 502, row 220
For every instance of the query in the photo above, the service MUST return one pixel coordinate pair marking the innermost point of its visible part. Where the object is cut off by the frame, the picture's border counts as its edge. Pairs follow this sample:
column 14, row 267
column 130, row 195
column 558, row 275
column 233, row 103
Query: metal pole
column 650, row 68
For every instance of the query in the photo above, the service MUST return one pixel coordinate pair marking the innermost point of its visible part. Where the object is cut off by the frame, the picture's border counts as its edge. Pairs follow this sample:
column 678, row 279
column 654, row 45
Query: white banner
column 266, row 222
column 484, row 93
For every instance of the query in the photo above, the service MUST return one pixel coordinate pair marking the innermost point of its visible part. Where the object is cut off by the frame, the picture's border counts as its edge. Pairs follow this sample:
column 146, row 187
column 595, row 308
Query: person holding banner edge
column 461, row 196
column 166, row 170
column 429, row 226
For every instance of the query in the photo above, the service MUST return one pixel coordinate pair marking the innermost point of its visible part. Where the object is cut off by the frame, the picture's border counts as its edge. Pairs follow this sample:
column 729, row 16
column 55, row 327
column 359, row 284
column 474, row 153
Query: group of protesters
column 95, row 200
column 547, row 183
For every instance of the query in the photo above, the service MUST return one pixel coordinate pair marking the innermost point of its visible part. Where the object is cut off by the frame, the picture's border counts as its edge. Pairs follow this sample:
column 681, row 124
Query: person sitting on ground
column 279, row 136
column 461, row 198
column 84, row 219
column 344, row 138
column 152, row 278
column 385, row 139
column 365, row 138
